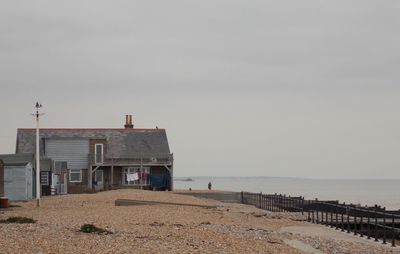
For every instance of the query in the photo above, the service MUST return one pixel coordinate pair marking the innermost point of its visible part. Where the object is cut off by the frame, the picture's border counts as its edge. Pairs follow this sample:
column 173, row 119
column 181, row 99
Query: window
column 75, row 175
column 60, row 166
column 143, row 176
column 98, row 151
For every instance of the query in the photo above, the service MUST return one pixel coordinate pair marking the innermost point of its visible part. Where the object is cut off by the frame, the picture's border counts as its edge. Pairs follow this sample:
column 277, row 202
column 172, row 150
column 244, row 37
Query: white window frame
column 75, row 171
column 95, row 153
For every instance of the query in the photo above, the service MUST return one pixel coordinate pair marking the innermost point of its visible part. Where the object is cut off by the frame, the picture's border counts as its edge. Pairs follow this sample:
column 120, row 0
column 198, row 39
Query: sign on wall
column 44, row 178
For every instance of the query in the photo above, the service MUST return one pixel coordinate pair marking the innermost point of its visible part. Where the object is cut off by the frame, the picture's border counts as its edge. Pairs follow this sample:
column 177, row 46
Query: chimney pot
column 128, row 122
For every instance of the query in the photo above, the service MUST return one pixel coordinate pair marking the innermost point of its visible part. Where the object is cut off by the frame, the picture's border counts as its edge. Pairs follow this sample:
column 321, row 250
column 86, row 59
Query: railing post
column 241, row 197
column 302, row 205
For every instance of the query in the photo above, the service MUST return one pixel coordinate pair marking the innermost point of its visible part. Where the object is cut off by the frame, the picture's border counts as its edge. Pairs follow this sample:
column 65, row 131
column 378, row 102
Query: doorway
column 99, row 178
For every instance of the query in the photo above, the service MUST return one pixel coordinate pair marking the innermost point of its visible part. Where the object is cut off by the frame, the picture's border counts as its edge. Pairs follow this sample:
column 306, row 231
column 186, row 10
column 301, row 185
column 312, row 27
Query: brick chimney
column 128, row 122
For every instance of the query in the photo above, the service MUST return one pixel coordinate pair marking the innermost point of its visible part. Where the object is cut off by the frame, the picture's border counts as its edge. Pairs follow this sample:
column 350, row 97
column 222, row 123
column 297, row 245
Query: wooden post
column 90, row 176
column 342, row 217
column 369, row 224
column 348, row 218
column 361, row 232
column 384, row 227
column 141, row 169
column 393, row 232
column 355, row 222
column 112, row 173
column 376, row 224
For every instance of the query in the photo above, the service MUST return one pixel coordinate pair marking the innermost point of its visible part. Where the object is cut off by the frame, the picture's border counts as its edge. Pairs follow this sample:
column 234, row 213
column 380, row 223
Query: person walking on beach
column 209, row 185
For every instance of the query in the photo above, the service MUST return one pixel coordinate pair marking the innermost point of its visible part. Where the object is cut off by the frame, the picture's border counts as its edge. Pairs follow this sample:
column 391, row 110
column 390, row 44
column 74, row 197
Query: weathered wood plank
column 132, row 202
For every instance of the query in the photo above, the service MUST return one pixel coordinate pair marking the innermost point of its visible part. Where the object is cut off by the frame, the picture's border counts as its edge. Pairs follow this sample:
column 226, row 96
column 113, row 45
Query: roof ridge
column 100, row 129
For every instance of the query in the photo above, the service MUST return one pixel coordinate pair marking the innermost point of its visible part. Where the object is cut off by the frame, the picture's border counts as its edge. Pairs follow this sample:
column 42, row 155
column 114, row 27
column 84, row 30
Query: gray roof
column 121, row 143
column 17, row 159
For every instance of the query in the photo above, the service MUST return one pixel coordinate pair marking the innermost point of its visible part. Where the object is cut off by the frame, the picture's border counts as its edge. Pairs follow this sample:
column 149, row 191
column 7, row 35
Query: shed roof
column 17, row 159
column 121, row 143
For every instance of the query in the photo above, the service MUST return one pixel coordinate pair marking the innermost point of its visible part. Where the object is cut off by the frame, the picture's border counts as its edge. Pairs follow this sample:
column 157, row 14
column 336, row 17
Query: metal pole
column 37, row 160
column 37, row 115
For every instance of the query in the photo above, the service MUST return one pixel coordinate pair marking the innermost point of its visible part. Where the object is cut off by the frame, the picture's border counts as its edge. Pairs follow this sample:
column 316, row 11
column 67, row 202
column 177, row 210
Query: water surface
column 384, row 192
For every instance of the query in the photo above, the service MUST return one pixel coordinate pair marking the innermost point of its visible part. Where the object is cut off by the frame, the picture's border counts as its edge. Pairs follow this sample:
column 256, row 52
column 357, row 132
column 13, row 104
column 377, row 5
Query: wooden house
column 102, row 159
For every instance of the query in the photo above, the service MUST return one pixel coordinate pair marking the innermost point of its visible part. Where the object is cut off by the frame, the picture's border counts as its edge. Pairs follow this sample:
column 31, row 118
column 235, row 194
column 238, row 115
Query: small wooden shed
column 17, row 176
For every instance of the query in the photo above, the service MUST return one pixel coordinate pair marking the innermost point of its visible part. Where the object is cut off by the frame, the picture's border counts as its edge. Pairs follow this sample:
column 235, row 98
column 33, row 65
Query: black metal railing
column 371, row 222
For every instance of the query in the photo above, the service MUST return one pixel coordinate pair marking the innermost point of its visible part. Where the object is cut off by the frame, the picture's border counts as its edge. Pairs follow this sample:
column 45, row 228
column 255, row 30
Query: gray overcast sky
column 244, row 88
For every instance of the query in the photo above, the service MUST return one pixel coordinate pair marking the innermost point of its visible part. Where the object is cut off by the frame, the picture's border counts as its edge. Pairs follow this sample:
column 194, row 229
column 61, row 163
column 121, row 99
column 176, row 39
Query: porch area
column 148, row 177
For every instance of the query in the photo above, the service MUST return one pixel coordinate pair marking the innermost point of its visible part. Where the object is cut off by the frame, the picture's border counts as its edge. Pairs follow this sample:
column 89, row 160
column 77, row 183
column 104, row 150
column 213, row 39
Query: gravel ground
column 229, row 228
column 139, row 229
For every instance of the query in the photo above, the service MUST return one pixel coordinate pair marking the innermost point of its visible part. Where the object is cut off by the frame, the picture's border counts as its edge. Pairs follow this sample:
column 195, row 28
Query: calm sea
column 365, row 192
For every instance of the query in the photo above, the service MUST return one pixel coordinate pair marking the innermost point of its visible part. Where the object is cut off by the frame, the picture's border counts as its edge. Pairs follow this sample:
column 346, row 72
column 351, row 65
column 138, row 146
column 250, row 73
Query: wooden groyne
column 371, row 222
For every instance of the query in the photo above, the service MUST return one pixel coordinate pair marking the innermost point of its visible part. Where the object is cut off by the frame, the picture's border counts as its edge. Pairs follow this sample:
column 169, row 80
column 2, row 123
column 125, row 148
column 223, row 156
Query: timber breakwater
column 374, row 222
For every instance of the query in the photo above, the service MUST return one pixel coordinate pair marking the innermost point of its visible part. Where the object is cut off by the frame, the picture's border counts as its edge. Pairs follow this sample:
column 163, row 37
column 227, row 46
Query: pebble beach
column 227, row 228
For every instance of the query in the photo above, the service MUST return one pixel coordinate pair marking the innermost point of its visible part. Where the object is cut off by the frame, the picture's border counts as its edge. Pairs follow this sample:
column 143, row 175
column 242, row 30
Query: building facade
column 84, row 160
